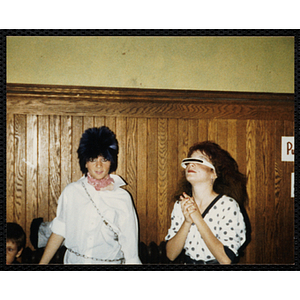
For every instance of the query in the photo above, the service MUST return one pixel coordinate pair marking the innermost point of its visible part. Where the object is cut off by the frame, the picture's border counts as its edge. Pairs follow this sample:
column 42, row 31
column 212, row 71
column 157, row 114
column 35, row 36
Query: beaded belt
column 122, row 260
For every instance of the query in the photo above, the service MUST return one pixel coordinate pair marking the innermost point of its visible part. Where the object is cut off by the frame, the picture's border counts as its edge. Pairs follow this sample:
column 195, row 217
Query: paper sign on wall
column 287, row 148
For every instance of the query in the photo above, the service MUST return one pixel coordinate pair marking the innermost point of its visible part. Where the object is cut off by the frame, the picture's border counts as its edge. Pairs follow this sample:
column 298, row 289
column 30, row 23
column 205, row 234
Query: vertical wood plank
column 241, row 144
column 99, row 121
column 232, row 146
column 222, row 133
column 131, row 157
column 212, row 132
column 202, row 130
column 261, row 179
column 110, row 122
column 192, row 132
column 141, row 196
column 77, row 130
column 121, row 135
column 31, row 172
column 88, row 122
column 183, row 146
column 20, row 171
column 152, row 181
column 55, row 164
column 66, row 151
column 162, row 179
column 237, row 147
column 279, row 194
column 270, row 221
column 10, row 167
column 251, row 185
column 43, row 168
column 172, row 166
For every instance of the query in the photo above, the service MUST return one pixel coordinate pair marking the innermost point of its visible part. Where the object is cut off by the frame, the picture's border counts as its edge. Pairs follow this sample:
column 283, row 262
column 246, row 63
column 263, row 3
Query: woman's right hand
column 187, row 207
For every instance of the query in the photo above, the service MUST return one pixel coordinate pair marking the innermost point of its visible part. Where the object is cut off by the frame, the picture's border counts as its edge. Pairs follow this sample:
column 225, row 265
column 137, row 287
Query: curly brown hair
column 230, row 180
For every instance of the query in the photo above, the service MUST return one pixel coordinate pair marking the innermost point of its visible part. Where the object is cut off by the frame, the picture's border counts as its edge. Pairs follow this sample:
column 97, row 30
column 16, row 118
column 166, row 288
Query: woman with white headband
column 207, row 223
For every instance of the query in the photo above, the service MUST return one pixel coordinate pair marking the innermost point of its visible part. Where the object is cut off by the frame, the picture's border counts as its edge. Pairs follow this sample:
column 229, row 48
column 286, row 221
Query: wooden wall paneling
column 173, row 162
column 183, row 148
column 202, row 130
column 152, row 172
column 154, row 135
column 237, row 147
column 212, row 131
column 88, row 122
column 262, row 195
column 270, row 221
column 66, row 151
column 241, row 144
column 141, row 196
column 99, row 121
column 77, row 126
column 162, row 179
column 151, row 104
column 131, row 150
column 20, row 171
column 110, row 122
column 251, row 186
column 279, row 196
column 55, row 164
column 121, row 135
column 192, row 132
column 183, row 141
column 232, row 146
column 43, row 168
column 10, row 166
column 289, row 225
column 222, row 133
column 31, row 171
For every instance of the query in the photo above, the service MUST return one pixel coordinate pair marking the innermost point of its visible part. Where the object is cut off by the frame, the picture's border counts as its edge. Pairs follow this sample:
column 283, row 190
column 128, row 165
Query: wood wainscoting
column 154, row 128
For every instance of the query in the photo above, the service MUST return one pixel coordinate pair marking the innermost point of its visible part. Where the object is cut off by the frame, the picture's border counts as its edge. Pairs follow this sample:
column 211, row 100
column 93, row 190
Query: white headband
column 186, row 161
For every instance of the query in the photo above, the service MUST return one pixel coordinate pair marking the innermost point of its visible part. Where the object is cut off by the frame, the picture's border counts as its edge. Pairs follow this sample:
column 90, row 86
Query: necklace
column 116, row 237
column 99, row 184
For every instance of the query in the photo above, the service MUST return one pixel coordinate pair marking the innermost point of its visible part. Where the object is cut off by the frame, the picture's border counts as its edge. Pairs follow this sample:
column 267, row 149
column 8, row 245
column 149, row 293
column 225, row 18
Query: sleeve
column 232, row 229
column 58, row 224
column 129, row 235
column 44, row 233
column 177, row 219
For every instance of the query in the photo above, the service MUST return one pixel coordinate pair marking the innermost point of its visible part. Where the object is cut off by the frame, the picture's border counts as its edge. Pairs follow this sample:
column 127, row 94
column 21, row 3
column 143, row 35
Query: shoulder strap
column 99, row 213
column 211, row 205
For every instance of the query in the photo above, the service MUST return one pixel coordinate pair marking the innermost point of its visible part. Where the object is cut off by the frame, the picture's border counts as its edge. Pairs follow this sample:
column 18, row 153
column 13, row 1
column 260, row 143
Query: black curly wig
column 95, row 142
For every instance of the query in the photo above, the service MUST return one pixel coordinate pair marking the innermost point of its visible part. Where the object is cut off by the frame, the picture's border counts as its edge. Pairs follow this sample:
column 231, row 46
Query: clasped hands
column 189, row 208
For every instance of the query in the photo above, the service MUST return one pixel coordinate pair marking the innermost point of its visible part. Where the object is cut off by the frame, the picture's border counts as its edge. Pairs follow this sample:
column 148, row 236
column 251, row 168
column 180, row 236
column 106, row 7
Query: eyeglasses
column 187, row 161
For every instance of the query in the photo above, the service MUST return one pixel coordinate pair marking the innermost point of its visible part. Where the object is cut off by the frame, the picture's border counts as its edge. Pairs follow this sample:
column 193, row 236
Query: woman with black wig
column 95, row 217
column 207, row 222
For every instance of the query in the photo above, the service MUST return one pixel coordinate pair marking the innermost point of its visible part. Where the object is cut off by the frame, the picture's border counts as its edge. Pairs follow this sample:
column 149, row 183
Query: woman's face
column 98, row 167
column 196, row 172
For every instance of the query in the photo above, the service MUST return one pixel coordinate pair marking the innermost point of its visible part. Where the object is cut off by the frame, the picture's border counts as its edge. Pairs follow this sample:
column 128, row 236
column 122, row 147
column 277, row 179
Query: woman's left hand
column 194, row 207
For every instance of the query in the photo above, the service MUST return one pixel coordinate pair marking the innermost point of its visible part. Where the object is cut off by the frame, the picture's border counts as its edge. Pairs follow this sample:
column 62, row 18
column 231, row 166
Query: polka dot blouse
column 225, row 221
